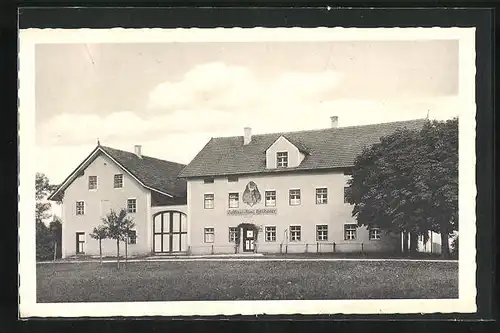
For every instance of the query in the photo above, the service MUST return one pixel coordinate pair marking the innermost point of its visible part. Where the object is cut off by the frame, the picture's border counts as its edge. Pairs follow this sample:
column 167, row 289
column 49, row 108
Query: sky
column 171, row 98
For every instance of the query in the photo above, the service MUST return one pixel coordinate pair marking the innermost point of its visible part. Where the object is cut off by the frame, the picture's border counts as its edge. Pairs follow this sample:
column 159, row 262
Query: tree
column 46, row 237
column 118, row 226
column 408, row 183
column 42, row 189
column 100, row 232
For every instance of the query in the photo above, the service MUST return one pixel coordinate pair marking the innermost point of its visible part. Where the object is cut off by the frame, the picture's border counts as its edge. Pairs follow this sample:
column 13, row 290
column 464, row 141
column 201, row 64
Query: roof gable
column 301, row 147
column 326, row 149
column 152, row 173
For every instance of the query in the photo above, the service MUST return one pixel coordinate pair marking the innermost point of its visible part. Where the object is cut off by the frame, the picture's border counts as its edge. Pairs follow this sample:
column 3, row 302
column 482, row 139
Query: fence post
column 362, row 248
column 286, row 248
column 307, row 247
column 317, row 247
column 212, row 249
column 333, row 247
column 235, row 249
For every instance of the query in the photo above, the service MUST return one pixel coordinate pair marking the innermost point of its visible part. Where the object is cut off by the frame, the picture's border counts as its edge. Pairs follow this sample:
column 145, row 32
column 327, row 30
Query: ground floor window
column 374, row 234
column 295, row 233
column 132, row 237
column 270, row 234
column 350, row 231
column 322, row 232
column 209, row 235
column 80, row 242
column 233, row 234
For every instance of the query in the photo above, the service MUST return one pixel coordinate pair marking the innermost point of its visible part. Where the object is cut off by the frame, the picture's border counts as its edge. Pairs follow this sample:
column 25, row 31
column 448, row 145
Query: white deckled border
column 466, row 303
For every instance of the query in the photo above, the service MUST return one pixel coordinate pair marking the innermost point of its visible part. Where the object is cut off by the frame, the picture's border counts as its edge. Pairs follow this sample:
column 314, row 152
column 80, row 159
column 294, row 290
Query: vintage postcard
column 179, row 172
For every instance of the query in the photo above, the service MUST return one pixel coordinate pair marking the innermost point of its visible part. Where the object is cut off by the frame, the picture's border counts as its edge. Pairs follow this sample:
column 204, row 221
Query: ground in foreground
column 245, row 280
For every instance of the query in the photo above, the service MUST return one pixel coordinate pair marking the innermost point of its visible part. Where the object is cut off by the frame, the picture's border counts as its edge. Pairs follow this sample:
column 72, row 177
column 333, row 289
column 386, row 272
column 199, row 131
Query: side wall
column 98, row 203
column 335, row 213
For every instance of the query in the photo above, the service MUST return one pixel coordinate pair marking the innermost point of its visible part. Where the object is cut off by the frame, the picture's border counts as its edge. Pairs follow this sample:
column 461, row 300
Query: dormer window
column 282, row 159
column 209, row 180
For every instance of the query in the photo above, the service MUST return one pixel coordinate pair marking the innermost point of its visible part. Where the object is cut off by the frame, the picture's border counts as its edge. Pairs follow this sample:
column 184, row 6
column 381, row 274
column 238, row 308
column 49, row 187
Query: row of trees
column 116, row 226
column 408, row 183
column 48, row 238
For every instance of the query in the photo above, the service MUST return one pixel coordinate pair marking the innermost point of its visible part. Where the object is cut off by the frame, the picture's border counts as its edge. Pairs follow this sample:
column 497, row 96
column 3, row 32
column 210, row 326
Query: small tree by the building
column 118, row 226
column 99, row 233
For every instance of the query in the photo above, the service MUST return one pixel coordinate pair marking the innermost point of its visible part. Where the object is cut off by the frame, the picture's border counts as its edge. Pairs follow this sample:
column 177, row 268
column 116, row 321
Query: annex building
column 277, row 192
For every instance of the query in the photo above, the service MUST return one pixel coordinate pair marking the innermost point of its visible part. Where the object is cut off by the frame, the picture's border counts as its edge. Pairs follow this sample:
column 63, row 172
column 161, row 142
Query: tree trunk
column 126, row 249
column 100, row 251
column 445, row 246
column 413, row 243
column 118, row 253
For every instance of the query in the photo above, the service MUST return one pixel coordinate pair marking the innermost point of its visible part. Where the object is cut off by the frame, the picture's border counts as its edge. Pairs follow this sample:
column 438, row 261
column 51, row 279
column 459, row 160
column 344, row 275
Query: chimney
column 335, row 121
column 248, row 136
column 138, row 150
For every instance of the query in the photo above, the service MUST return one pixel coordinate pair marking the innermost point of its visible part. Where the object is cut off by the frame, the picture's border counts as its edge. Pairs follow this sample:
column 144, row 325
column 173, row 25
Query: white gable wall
column 97, row 202
column 295, row 157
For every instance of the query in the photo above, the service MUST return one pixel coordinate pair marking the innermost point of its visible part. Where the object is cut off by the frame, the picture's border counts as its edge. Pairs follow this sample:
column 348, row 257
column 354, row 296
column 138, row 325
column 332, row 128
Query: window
column 132, row 237
column 270, row 234
column 208, row 180
column 131, row 205
column 346, row 192
column 92, row 182
column 209, row 201
column 321, row 196
column 295, row 233
column 374, row 234
column 118, row 181
column 233, row 234
column 234, row 200
column 270, row 198
column 80, row 242
column 232, row 179
column 209, row 234
column 294, row 197
column 282, row 159
column 80, row 208
column 350, row 231
column 322, row 232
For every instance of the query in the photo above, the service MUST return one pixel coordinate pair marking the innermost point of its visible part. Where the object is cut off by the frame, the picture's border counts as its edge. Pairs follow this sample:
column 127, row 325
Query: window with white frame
column 80, row 208
column 92, row 182
column 321, row 196
column 132, row 237
column 234, row 201
column 374, row 233
column 209, row 235
column 270, row 232
column 295, row 233
column 118, row 181
column 233, row 234
column 350, row 231
column 270, row 198
column 294, row 197
column 131, row 205
column 322, row 232
column 282, row 159
column 208, row 201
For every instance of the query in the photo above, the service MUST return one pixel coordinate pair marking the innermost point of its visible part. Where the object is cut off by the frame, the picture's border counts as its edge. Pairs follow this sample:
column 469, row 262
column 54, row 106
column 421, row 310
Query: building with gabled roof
column 111, row 179
column 282, row 192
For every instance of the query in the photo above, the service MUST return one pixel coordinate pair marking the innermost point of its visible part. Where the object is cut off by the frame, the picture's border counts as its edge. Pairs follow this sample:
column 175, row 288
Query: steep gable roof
column 152, row 173
column 326, row 149
column 297, row 144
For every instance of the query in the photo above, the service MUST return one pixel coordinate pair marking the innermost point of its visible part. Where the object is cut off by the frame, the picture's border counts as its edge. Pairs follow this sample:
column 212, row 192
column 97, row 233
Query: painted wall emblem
column 251, row 195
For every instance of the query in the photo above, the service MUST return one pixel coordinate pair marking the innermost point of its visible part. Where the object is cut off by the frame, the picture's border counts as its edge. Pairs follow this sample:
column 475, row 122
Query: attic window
column 282, row 159
column 209, row 180
column 232, row 178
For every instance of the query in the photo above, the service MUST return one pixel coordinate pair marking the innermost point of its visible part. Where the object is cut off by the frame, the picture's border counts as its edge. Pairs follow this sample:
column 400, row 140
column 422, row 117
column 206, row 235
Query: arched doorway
column 170, row 232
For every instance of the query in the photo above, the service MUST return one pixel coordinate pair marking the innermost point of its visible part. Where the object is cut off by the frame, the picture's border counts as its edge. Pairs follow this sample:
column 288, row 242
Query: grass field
column 245, row 280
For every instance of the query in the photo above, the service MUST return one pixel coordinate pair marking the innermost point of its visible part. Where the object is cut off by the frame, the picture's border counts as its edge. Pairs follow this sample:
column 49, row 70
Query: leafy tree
column 42, row 189
column 118, row 226
column 409, row 183
column 46, row 237
column 100, row 232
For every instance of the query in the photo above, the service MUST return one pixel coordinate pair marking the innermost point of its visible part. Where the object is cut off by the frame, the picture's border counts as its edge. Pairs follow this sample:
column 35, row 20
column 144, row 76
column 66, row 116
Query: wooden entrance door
column 80, row 243
column 169, row 232
column 248, row 240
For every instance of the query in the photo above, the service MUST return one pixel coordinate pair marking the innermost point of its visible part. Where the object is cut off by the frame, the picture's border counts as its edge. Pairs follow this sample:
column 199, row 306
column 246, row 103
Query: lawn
column 245, row 280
